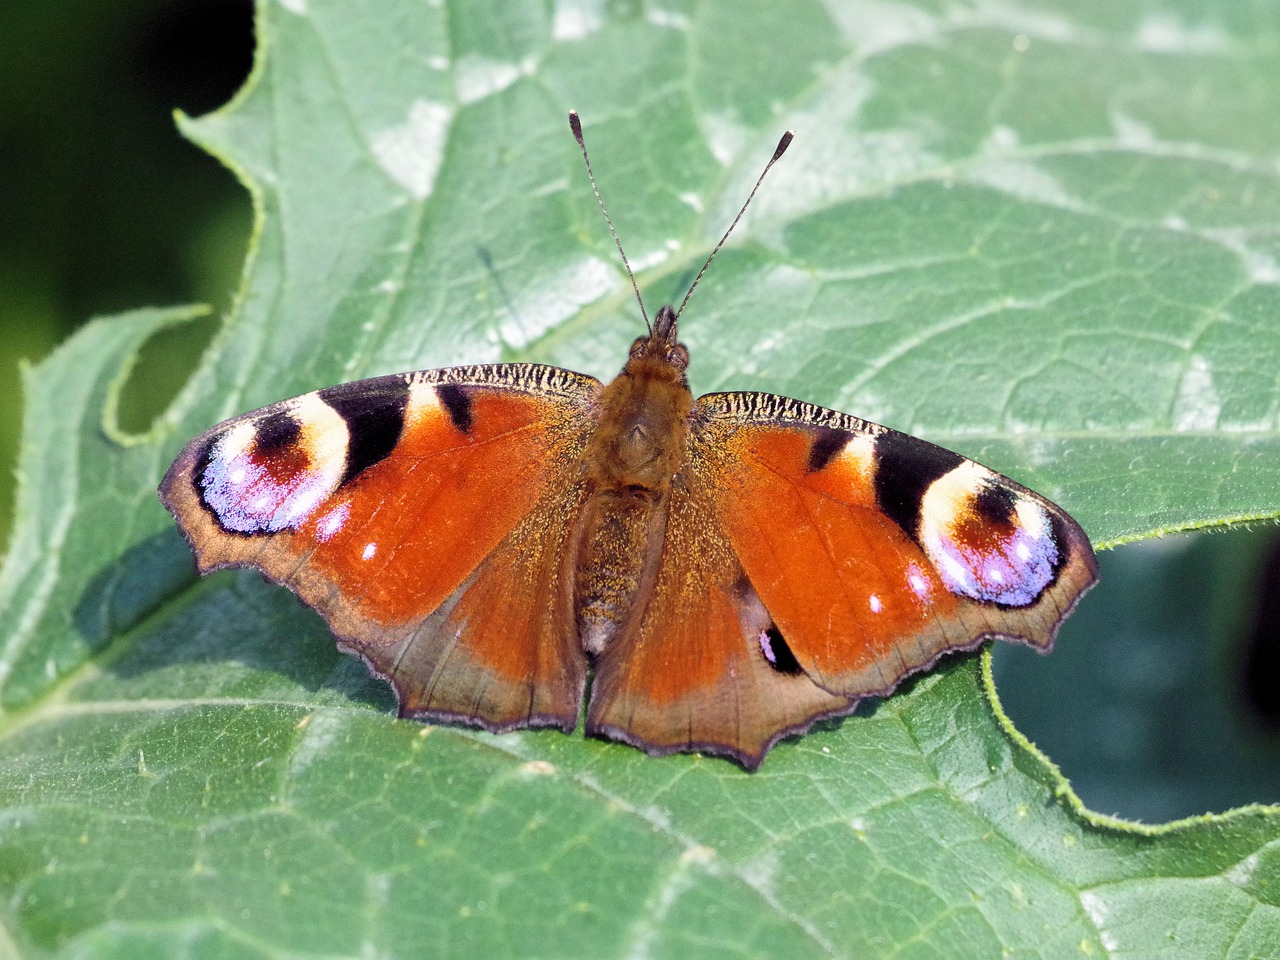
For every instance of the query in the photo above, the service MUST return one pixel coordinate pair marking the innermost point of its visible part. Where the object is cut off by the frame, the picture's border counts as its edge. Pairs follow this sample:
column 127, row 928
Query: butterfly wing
column 876, row 552
column 813, row 558
column 689, row 673
column 422, row 516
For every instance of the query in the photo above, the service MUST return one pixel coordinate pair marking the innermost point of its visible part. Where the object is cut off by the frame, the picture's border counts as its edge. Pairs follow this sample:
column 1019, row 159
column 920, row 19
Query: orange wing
column 876, row 552
column 423, row 516
column 812, row 559
column 696, row 671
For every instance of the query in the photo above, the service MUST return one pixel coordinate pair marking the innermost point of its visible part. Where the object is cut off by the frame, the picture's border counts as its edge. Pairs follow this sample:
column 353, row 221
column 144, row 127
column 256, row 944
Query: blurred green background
column 1162, row 699
column 105, row 206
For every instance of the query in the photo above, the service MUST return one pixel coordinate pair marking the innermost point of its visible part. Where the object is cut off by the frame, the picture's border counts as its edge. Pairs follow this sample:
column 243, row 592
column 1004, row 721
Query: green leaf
column 1042, row 236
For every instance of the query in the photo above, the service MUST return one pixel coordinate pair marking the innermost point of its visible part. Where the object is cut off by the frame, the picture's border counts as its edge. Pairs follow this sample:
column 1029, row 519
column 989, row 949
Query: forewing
column 876, row 552
column 390, row 506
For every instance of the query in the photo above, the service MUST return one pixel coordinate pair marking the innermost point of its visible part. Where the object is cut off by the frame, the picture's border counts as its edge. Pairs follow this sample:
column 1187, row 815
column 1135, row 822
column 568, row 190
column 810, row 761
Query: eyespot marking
column 775, row 649
column 987, row 541
column 270, row 472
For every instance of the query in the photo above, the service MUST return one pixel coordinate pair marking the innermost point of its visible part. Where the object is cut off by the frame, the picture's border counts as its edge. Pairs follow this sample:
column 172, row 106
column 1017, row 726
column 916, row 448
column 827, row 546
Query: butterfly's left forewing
column 875, row 552
column 422, row 516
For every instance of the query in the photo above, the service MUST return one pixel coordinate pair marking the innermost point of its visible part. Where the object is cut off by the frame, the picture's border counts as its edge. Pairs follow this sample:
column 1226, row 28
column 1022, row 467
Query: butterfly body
column 637, row 451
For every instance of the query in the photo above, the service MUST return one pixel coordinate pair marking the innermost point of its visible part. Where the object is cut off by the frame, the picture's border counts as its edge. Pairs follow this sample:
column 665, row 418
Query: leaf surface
column 994, row 230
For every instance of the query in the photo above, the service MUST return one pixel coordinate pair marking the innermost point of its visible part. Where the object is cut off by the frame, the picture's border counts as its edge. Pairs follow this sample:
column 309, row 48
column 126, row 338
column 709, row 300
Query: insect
column 726, row 571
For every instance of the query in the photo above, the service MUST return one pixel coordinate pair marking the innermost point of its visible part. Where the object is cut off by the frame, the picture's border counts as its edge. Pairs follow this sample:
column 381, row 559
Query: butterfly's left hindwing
column 876, row 552
column 703, row 667
column 391, row 506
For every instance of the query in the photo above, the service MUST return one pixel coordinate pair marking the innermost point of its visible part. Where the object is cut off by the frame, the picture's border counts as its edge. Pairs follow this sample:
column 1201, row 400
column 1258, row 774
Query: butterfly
column 504, row 541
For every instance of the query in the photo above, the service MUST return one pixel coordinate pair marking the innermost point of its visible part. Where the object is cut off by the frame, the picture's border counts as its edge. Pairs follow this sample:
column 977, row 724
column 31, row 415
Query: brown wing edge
column 748, row 760
column 533, row 721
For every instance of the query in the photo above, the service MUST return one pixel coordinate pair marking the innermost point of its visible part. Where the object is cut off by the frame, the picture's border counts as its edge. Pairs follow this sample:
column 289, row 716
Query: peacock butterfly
column 726, row 570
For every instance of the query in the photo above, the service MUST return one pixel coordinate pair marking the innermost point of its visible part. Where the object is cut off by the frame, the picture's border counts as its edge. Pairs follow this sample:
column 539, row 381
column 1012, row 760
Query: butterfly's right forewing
column 423, row 517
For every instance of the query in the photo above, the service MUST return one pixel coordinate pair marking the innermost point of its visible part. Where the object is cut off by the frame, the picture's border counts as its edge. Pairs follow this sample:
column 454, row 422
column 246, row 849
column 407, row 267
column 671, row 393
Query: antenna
column 783, row 143
column 576, row 126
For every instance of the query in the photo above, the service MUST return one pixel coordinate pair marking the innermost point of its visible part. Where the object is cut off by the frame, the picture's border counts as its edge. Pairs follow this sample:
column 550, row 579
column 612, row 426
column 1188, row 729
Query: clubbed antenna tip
column 783, row 142
column 575, row 124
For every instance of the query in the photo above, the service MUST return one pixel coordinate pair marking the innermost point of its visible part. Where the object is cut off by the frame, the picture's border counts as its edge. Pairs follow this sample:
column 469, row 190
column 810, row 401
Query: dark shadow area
column 106, row 206
column 132, row 588
column 231, row 634
column 1155, row 698
column 1260, row 663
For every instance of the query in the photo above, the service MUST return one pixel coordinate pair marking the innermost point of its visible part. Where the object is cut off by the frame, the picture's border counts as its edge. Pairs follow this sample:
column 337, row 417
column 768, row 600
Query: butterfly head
column 661, row 347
